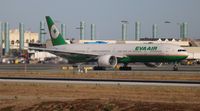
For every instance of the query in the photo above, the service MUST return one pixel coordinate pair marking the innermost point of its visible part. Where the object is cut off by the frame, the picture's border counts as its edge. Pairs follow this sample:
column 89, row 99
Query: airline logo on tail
column 54, row 32
column 56, row 37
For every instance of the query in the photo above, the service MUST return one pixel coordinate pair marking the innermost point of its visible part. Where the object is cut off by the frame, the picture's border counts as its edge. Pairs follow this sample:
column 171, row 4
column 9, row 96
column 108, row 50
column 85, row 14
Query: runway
column 184, row 83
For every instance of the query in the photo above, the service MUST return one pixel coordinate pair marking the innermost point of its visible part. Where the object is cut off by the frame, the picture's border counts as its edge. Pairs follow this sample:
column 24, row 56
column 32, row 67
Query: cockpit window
column 181, row 50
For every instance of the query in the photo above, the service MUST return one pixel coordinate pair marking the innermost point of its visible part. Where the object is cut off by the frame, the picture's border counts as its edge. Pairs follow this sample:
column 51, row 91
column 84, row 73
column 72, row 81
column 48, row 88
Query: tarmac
column 58, row 68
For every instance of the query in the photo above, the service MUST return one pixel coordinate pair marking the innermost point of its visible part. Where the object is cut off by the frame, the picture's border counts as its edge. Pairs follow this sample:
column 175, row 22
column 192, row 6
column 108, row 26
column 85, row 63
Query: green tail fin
column 56, row 37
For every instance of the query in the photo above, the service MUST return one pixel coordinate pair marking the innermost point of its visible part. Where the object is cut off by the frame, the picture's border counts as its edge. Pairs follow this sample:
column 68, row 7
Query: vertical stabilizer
column 56, row 37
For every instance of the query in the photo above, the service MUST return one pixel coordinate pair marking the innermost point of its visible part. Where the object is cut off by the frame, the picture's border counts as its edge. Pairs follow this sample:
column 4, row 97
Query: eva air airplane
column 109, row 55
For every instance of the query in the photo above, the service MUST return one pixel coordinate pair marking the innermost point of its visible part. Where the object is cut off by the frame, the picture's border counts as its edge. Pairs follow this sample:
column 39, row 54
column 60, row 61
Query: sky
column 106, row 15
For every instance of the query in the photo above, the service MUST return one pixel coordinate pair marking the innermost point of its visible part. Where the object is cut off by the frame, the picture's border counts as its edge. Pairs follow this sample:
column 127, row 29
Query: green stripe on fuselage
column 153, row 58
column 131, row 59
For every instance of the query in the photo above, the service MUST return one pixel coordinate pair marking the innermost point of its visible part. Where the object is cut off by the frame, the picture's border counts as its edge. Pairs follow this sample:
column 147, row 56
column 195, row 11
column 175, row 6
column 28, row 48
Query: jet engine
column 107, row 61
column 153, row 64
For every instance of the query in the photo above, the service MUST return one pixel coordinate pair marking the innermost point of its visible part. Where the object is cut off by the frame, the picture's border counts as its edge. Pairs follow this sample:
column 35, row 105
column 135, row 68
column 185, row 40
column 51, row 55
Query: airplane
column 109, row 55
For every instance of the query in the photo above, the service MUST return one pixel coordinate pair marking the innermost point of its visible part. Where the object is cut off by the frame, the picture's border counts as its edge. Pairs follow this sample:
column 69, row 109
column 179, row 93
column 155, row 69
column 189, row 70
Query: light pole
column 124, row 29
column 81, row 36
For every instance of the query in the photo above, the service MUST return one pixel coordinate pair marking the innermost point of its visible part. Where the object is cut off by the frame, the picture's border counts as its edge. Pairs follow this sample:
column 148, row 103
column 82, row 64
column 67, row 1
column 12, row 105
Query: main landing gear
column 125, row 67
column 99, row 68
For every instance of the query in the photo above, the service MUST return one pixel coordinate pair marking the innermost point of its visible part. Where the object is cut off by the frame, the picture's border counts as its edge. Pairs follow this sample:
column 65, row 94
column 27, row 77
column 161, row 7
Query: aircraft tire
column 125, row 68
column 175, row 68
column 99, row 68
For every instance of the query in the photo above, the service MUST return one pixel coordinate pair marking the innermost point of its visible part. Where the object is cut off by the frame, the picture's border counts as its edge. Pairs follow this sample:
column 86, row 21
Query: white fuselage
column 122, row 50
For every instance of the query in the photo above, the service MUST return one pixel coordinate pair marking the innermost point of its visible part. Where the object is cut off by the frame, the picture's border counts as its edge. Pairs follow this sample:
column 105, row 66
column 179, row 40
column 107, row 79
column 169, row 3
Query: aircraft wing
column 70, row 56
column 64, row 53
column 51, row 50
column 55, row 51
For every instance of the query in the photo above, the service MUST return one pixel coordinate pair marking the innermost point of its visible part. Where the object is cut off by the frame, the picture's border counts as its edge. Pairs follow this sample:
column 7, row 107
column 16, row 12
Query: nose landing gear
column 175, row 68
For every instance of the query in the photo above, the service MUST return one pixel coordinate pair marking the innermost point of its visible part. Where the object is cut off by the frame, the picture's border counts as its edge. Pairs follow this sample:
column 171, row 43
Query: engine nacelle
column 153, row 64
column 107, row 61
